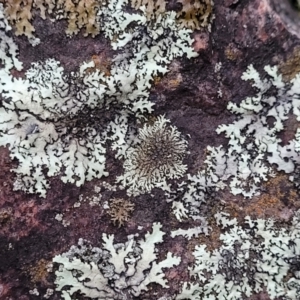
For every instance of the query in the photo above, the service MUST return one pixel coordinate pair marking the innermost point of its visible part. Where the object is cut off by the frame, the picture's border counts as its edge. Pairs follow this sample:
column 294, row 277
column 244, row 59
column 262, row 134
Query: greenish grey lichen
column 52, row 120
column 107, row 272
column 255, row 256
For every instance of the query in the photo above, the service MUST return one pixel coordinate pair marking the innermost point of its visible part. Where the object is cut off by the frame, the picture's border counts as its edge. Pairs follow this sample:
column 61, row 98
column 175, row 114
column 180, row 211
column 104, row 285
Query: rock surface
column 193, row 95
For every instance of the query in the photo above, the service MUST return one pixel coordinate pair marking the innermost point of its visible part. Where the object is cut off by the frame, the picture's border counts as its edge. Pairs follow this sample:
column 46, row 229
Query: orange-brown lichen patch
column 38, row 272
column 102, row 63
column 153, row 7
column 291, row 66
column 264, row 206
column 156, row 80
column 80, row 14
column 278, row 200
column 18, row 12
column 173, row 83
column 195, row 14
column 235, row 211
column 172, row 80
column 120, row 211
column 281, row 187
column 232, row 53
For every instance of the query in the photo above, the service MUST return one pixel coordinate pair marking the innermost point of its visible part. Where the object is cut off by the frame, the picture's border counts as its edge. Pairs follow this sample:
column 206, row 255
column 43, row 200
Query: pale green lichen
column 255, row 256
column 8, row 48
column 52, row 120
column 255, row 150
column 107, row 272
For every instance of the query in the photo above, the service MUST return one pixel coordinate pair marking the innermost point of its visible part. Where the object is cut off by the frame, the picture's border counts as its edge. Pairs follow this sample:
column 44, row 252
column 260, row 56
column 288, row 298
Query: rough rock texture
column 193, row 95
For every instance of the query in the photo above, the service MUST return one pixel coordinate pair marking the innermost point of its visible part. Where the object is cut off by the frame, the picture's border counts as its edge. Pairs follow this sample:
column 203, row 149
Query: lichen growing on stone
column 120, row 211
column 8, row 48
column 53, row 122
column 195, row 14
column 108, row 272
column 157, row 156
column 18, row 12
column 255, row 256
column 41, row 125
column 153, row 8
column 255, row 149
column 87, row 15
column 192, row 14
column 79, row 14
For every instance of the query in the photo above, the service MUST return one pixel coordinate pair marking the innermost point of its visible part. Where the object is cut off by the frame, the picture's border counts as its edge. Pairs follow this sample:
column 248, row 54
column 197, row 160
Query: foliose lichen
column 155, row 157
column 120, row 210
column 254, row 256
column 78, row 13
column 59, row 124
column 113, row 270
column 255, row 150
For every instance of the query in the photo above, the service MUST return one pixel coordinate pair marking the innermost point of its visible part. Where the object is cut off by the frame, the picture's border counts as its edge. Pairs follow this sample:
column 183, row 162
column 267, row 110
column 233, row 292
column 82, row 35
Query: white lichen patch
column 192, row 194
column 255, row 149
column 254, row 142
column 60, row 218
column 108, row 272
column 34, row 292
column 40, row 122
column 49, row 293
column 255, row 256
column 8, row 48
column 157, row 156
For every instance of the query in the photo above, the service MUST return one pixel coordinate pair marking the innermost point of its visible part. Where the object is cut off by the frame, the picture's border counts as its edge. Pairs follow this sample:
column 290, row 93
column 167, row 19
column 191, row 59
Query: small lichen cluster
column 110, row 271
column 120, row 211
column 195, row 14
column 153, row 7
column 255, row 256
column 156, row 156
